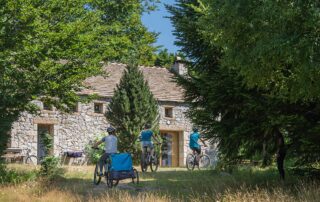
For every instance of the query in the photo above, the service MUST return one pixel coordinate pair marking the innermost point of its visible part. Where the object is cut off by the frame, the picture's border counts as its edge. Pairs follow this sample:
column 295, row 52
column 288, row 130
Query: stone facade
column 73, row 131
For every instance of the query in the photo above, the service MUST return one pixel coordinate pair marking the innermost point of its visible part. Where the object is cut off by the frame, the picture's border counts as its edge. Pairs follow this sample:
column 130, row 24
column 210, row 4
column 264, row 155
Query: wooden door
column 170, row 149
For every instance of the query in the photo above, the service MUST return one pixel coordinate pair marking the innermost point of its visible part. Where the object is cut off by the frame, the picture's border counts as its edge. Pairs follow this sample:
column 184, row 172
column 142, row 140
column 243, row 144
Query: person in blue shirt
column 146, row 137
column 193, row 143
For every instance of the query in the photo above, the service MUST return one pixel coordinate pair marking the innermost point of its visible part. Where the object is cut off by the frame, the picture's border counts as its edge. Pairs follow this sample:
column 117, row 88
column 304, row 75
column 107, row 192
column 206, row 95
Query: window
column 168, row 112
column 46, row 106
column 98, row 108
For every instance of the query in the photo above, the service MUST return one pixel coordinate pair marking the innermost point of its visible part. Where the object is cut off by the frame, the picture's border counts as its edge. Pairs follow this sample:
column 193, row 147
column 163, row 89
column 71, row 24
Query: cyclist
column 193, row 143
column 145, row 136
column 111, row 142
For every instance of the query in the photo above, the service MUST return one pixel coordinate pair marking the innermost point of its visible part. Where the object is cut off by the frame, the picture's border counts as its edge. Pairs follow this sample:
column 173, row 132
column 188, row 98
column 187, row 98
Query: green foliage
column 165, row 59
column 241, row 120
column 50, row 167
column 47, row 49
column 47, row 141
column 94, row 154
column 8, row 176
column 132, row 106
column 275, row 41
column 121, row 32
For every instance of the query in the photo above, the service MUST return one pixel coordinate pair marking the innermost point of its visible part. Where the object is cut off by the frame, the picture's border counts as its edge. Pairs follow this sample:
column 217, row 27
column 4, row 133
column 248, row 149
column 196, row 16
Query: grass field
column 247, row 184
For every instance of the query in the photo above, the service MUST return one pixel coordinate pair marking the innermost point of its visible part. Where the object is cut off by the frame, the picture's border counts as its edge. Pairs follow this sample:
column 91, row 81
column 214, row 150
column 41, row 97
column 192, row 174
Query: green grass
column 13, row 176
column 169, row 184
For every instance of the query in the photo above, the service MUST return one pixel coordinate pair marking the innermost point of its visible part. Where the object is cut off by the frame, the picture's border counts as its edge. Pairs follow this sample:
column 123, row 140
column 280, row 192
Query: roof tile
column 160, row 81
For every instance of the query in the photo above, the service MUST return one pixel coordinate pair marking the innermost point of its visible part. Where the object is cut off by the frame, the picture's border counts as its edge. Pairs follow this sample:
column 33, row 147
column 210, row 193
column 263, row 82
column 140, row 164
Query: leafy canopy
column 47, row 49
column 275, row 41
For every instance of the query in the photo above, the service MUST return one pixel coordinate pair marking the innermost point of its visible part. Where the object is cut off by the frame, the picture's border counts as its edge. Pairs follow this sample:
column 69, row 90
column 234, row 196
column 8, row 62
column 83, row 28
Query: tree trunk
column 281, row 153
column 264, row 151
column 264, row 154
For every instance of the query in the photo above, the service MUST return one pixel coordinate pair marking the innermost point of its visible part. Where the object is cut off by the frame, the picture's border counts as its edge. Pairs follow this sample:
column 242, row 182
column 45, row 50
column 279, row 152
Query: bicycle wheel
column 190, row 161
column 204, row 162
column 97, row 176
column 135, row 180
column 154, row 164
column 111, row 183
column 31, row 160
column 143, row 163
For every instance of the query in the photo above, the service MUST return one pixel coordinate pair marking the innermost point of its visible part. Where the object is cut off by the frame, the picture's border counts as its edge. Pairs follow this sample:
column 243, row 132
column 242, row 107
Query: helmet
column 111, row 129
column 195, row 129
column 147, row 126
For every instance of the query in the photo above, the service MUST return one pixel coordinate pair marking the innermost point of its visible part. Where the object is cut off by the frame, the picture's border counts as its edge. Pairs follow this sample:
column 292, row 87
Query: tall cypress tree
column 132, row 106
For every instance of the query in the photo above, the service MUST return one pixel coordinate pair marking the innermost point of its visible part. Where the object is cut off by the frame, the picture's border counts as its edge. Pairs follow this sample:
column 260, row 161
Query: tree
column 47, row 49
column 243, row 121
column 122, row 32
column 275, row 41
column 43, row 55
column 131, row 107
column 165, row 59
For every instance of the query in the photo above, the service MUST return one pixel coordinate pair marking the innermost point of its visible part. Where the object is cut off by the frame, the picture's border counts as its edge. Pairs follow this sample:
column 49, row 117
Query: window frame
column 171, row 114
column 98, row 104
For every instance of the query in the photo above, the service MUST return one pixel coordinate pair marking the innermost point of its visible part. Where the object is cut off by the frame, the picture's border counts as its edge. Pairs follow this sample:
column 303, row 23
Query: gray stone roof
column 160, row 81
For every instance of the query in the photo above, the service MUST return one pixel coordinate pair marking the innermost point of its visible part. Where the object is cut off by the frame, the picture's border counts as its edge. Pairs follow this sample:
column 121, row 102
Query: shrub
column 49, row 164
column 50, row 167
column 94, row 154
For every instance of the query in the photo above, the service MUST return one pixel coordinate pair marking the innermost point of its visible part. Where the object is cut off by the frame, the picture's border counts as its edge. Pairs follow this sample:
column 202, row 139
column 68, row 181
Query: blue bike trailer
column 121, row 166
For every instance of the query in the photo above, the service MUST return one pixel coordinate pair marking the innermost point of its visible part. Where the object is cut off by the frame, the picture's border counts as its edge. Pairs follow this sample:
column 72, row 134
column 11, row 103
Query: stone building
column 72, row 131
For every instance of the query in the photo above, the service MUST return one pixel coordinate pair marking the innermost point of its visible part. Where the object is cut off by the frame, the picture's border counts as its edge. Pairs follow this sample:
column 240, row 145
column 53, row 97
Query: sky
column 155, row 21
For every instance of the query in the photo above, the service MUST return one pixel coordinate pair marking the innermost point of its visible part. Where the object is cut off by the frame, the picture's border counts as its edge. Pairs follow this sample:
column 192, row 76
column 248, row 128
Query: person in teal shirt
column 193, row 142
column 146, row 137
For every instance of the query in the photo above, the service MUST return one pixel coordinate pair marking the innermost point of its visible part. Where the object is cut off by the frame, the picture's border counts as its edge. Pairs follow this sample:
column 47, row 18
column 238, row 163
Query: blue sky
column 156, row 22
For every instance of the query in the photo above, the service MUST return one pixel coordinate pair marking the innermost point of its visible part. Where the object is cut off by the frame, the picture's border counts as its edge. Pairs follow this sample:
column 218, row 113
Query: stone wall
column 75, row 130
column 71, row 131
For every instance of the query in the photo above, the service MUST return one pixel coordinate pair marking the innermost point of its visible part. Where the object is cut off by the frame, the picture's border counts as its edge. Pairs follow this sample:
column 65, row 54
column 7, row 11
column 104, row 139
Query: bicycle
column 30, row 159
column 191, row 161
column 106, row 173
column 147, row 159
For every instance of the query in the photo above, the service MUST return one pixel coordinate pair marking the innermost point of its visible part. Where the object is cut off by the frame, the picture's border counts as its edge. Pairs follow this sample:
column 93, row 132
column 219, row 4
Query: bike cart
column 119, row 167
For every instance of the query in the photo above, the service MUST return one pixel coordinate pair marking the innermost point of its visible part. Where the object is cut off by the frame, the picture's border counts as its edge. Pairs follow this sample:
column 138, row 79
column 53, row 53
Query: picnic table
column 13, row 155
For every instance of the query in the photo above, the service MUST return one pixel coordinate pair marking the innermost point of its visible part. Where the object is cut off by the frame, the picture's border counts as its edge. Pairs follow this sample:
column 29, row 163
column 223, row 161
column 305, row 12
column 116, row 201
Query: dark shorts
column 105, row 157
column 197, row 149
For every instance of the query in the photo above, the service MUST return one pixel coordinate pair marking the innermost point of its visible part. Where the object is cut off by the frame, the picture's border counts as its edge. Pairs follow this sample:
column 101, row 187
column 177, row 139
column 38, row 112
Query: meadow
column 168, row 184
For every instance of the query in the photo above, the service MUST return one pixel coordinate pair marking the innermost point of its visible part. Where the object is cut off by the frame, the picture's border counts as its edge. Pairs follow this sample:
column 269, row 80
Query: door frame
column 51, row 132
column 177, row 133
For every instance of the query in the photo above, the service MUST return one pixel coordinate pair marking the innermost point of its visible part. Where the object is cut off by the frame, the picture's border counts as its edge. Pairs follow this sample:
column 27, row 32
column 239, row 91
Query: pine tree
column 132, row 106
column 243, row 121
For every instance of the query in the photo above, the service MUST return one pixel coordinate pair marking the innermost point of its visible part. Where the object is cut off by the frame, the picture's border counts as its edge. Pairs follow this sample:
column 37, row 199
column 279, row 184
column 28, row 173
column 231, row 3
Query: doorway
column 169, row 154
column 44, row 129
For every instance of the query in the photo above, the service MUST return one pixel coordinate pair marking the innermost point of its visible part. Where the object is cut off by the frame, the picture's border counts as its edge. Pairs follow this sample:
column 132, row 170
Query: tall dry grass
column 169, row 185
